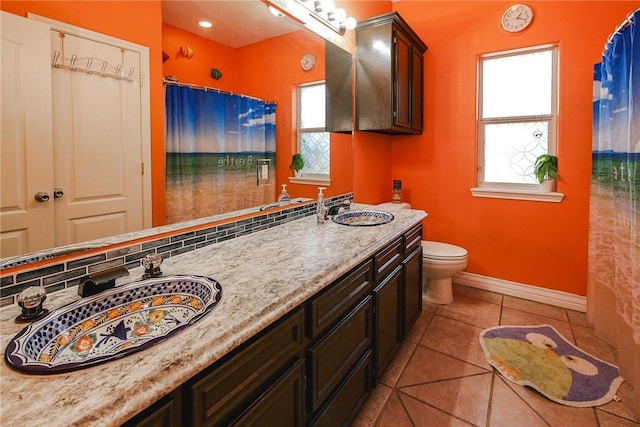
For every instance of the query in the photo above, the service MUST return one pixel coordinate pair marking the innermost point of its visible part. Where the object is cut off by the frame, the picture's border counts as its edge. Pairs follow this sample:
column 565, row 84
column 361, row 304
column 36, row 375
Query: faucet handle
column 31, row 300
column 151, row 264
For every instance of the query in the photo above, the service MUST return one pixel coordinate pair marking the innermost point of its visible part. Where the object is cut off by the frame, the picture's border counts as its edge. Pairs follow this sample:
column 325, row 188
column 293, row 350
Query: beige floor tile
column 466, row 398
column 472, row 311
column 536, row 308
column 428, row 365
column 398, row 364
column 417, row 330
column 578, row 318
column 554, row 413
column 424, row 415
column 394, row 414
column 609, row 420
column 457, row 339
column 515, row 317
column 622, row 408
column 373, row 407
column 508, row 409
column 467, row 291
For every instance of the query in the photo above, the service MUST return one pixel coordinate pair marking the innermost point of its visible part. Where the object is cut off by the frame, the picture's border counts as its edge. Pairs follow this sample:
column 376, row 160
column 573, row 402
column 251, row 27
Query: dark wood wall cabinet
column 389, row 76
column 317, row 365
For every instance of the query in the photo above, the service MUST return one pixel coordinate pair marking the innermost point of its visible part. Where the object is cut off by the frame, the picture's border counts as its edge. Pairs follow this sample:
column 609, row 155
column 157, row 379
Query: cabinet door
column 412, row 266
column 402, row 113
column 282, row 405
column 417, row 108
column 166, row 412
column 344, row 406
column 225, row 391
column 333, row 357
column 387, row 309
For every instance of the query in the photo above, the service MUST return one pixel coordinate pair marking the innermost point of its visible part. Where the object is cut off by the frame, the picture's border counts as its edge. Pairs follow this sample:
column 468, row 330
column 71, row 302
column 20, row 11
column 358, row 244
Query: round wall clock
column 517, row 18
column 308, row 61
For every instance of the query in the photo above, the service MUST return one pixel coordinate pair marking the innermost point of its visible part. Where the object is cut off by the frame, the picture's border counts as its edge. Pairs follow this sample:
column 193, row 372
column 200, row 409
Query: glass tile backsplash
column 68, row 274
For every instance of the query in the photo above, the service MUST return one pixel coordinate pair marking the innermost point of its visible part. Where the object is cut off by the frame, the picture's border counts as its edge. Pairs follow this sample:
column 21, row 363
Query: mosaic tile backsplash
column 69, row 273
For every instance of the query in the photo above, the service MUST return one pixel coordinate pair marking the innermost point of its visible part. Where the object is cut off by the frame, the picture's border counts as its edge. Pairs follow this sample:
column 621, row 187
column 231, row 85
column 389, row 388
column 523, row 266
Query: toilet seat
column 442, row 251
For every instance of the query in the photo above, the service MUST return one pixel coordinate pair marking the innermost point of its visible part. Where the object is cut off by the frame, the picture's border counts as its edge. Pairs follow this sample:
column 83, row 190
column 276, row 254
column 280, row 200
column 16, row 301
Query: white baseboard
column 521, row 290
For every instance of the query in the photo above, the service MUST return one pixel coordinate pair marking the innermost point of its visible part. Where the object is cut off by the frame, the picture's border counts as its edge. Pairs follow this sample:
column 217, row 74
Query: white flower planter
column 548, row 185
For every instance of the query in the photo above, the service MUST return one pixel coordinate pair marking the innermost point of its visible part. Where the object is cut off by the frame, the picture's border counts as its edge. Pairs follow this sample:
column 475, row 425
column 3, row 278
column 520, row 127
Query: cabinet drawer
column 166, row 412
column 235, row 383
column 335, row 301
column 412, row 239
column 387, row 259
column 335, row 355
column 352, row 394
column 282, row 405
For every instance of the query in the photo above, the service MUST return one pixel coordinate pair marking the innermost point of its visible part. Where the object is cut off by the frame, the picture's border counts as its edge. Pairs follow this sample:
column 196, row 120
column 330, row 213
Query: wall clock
column 308, row 61
column 517, row 18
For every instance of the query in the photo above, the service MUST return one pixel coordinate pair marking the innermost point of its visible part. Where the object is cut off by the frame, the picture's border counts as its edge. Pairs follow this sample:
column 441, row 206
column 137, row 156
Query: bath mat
column 541, row 358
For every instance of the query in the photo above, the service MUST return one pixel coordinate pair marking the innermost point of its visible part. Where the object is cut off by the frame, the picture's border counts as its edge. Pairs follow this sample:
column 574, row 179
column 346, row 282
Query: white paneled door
column 26, row 149
column 97, row 139
column 77, row 132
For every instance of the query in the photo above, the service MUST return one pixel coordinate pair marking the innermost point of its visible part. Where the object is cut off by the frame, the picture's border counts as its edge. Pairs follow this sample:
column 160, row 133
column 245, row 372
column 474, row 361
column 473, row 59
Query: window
column 313, row 141
column 517, row 106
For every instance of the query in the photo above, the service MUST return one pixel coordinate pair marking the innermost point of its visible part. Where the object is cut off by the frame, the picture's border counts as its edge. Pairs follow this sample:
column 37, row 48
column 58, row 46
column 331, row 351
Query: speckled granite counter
column 263, row 276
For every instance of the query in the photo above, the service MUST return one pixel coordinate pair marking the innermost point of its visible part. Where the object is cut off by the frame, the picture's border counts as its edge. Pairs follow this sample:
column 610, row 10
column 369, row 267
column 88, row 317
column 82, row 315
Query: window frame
column 518, row 191
column 309, row 178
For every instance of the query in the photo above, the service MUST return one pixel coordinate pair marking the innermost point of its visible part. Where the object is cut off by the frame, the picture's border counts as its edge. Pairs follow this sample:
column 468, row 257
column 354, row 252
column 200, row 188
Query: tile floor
column 439, row 376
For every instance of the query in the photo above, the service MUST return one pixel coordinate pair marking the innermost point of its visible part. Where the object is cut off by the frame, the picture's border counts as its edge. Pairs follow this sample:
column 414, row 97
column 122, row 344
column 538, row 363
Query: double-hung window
column 517, row 115
column 313, row 140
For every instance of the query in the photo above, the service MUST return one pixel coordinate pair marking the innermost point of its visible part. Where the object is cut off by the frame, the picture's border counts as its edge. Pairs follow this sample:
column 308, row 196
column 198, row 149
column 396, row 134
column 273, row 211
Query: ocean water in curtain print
column 213, row 144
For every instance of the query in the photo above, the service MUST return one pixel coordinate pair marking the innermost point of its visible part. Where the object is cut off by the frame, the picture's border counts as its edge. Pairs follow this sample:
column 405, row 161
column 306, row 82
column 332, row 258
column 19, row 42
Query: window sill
column 311, row 180
column 501, row 193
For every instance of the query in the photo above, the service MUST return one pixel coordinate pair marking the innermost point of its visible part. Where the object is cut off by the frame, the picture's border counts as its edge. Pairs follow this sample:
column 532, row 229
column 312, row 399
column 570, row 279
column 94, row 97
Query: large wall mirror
column 239, row 25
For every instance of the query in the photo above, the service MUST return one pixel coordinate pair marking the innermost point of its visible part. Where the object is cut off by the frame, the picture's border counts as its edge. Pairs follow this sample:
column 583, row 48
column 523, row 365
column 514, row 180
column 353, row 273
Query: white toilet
column 440, row 261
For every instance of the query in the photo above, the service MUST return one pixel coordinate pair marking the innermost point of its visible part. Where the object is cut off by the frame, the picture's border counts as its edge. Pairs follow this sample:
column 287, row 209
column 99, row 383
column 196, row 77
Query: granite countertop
column 263, row 276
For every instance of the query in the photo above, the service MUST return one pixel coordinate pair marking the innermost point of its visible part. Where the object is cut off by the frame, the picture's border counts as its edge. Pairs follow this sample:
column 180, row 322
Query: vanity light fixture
column 325, row 12
column 205, row 24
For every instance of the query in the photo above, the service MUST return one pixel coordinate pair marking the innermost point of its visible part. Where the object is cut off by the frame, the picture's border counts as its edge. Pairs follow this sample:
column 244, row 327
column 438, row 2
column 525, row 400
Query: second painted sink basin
column 112, row 324
column 362, row 218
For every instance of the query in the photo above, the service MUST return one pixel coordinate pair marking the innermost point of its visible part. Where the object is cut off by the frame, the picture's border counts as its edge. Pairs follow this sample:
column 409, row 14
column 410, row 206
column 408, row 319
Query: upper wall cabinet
column 389, row 76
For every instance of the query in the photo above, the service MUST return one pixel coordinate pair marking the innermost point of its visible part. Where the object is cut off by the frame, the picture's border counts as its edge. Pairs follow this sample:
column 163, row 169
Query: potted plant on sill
column 546, row 171
column 297, row 163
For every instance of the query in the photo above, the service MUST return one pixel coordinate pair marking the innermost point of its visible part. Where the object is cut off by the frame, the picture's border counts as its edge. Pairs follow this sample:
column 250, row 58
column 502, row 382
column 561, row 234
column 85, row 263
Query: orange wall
column 542, row 244
column 137, row 22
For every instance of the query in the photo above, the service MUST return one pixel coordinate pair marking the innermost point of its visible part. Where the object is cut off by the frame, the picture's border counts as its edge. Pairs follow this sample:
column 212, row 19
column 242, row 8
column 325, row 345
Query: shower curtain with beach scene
column 220, row 152
column 613, row 303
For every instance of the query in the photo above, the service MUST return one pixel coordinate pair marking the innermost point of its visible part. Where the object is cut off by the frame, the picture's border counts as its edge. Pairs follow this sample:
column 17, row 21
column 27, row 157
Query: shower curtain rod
column 621, row 26
column 213, row 89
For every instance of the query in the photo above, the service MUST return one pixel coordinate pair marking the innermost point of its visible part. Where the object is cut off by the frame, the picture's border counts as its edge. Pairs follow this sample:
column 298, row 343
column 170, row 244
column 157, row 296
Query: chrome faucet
column 343, row 206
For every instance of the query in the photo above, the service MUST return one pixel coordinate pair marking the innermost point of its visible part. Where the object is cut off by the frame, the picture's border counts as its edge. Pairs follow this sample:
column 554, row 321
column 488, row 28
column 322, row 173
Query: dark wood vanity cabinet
column 389, row 76
column 318, row 364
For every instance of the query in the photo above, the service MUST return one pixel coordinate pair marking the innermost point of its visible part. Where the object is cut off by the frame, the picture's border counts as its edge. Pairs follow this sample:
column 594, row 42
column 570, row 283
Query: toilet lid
column 444, row 251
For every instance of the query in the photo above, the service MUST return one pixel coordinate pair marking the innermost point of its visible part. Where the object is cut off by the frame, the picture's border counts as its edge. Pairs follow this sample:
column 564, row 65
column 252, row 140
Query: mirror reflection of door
column 97, row 141
column 26, row 137
column 93, row 151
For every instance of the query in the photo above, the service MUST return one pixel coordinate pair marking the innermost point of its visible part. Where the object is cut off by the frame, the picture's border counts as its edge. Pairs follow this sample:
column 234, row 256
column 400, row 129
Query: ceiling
column 235, row 23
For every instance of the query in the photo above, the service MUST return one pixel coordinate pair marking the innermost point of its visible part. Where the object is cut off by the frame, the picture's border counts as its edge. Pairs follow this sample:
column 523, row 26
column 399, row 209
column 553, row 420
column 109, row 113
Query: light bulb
column 205, row 24
column 339, row 15
column 350, row 23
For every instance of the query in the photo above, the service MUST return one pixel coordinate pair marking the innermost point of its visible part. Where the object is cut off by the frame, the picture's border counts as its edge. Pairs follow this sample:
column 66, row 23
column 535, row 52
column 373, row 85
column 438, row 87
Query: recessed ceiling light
column 205, row 24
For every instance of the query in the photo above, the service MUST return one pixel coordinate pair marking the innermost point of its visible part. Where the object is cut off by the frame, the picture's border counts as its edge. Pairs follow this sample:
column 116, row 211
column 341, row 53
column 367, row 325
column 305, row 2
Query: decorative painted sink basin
column 362, row 218
column 112, row 324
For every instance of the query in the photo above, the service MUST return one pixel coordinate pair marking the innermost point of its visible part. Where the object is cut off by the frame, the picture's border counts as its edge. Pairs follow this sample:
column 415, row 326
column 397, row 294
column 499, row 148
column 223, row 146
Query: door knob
column 57, row 192
column 41, row 197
